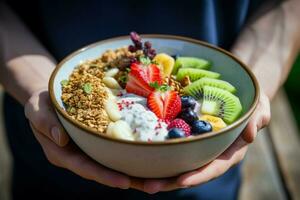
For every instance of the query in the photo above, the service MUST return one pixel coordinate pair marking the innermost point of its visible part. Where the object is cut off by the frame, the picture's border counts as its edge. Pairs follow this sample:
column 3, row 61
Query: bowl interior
column 229, row 68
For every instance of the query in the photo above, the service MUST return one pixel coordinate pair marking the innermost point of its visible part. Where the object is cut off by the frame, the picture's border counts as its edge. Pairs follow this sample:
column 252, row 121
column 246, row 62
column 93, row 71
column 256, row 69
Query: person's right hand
column 57, row 148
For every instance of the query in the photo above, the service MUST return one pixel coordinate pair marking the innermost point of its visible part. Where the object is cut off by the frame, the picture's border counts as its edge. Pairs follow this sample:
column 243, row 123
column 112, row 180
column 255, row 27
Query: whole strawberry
column 181, row 124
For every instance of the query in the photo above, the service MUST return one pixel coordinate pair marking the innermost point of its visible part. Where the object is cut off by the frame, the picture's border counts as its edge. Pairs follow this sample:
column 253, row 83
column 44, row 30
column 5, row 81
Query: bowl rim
column 89, row 130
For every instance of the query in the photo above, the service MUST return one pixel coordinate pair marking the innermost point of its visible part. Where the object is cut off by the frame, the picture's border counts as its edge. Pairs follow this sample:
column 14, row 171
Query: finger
column 260, row 119
column 219, row 166
column 230, row 157
column 266, row 117
column 250, row 132
column 71, row 158
column 142, row 185
column 137, row 183
column 39, row 111
column 153, row 186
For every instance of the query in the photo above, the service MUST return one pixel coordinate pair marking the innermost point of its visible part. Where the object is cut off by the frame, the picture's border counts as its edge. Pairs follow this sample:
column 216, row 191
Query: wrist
column 27, row 75
column 37, row 89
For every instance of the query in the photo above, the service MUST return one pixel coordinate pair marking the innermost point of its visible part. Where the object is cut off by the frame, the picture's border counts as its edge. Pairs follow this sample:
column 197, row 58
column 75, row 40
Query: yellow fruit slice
column 166, row 63
column 122, row 130
column 216, row 122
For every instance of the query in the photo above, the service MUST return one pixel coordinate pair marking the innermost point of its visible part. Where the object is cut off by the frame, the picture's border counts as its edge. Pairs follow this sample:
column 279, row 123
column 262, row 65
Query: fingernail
column 123, row 183
column 152, row 188
column 55, row 133
column 124, row 186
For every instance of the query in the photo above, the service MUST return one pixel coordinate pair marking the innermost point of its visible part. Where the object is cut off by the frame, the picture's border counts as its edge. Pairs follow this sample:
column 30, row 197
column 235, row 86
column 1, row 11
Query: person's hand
column 233, row 155
column 61, row 153
column 57, row 148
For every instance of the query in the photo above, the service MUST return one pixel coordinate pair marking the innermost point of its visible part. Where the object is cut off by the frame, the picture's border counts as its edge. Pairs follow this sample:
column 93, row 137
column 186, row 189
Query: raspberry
column 181, row 124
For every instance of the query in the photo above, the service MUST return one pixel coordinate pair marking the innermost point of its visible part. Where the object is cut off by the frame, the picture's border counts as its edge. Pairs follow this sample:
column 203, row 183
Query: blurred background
column 271, row 168
column 292, row 88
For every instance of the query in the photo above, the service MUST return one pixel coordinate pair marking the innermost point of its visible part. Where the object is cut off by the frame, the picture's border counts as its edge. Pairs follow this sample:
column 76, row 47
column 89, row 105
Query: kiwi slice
column 195, row 74
column 190, row 62
column 221, row 103
column 196, row 88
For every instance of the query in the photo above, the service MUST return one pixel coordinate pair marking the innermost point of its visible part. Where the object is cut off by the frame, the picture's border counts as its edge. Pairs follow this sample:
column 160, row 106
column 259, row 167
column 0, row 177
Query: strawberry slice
column 166, row 105
column 154, row 74
column 133, row 87
column 156, row 104
column 140, row 77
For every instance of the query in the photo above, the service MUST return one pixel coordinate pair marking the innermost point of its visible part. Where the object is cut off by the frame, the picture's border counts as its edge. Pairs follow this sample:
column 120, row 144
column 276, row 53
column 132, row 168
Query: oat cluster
column 111, row 56
column 175, row 85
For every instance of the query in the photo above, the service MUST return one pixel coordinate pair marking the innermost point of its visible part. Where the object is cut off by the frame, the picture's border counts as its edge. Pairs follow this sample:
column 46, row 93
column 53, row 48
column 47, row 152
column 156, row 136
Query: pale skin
column 268, row 45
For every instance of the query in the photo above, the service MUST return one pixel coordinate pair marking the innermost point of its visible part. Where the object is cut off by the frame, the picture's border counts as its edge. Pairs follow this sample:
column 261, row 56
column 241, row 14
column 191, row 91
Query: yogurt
column 143, row 122
column 132, row 97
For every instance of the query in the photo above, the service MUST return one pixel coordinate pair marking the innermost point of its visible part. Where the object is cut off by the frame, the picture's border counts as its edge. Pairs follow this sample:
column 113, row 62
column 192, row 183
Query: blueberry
column 188, row 102
column 176, row 133
column 200, row 126
column 188, row 115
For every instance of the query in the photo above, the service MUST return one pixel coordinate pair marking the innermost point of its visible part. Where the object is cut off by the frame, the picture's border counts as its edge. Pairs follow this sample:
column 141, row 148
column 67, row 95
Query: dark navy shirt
column 66, row 25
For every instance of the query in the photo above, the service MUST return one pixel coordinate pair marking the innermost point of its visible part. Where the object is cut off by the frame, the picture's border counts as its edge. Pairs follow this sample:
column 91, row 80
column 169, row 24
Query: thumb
column 40, row 113
column 259, row 120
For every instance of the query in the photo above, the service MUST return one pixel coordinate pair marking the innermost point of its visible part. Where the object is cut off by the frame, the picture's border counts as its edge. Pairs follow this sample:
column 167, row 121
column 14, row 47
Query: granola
column 84, row 93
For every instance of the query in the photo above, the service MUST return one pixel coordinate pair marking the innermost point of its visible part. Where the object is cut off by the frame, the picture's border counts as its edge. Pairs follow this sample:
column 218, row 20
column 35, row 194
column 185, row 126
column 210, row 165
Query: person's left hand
column 233, row 155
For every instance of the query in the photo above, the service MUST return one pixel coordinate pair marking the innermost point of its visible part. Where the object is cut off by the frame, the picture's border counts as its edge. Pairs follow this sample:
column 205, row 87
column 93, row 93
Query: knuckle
column 265, row 120
column 267, row 117
column 28, row 109
column 34, row 114
column 250, row 133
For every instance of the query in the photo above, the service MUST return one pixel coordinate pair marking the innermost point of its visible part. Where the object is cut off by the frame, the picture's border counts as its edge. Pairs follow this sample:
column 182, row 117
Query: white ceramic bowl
column 171, row 157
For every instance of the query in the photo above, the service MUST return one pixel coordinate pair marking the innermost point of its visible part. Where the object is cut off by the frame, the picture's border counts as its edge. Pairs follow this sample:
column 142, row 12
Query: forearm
column 25, row 66
column 270, row 45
